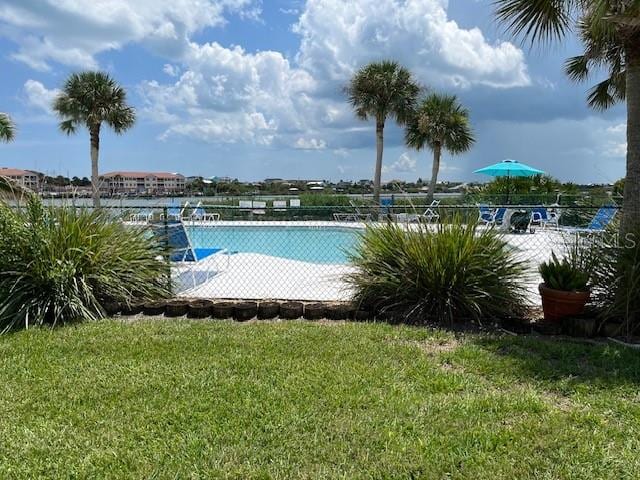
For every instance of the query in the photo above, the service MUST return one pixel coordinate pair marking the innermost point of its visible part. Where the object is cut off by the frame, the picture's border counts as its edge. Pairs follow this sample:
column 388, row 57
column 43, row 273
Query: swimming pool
column 307, row 244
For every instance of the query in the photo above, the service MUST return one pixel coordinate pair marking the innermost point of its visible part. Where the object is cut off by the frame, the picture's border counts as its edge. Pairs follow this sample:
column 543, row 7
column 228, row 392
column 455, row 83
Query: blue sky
column 252, row 89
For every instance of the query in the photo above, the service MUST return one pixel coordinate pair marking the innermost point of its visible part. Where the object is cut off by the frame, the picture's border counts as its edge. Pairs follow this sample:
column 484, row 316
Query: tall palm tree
column 7, row 128
column 90, row 99
column 381, row 90
column 610, row 31
column 440, row 122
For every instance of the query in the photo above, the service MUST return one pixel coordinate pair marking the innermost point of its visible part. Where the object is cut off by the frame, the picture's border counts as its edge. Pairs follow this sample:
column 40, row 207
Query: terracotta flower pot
column 558, row 304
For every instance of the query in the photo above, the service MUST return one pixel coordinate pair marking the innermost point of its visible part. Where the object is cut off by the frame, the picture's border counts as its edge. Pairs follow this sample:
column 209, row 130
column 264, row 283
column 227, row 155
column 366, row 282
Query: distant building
column 24, row 178
column 142, row 182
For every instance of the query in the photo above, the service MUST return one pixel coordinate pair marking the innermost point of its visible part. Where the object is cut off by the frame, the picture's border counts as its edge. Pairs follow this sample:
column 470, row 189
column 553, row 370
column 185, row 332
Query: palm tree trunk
column 377, row 180
column 94, row 134
column 631, row 206
column 435, row 168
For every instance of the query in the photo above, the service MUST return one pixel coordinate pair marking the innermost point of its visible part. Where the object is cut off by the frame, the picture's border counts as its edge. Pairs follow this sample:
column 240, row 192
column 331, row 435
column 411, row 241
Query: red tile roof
column 163, row 175
column 14, row 172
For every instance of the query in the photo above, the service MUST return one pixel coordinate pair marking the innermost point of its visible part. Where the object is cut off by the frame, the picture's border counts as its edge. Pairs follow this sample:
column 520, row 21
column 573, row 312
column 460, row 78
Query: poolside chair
column 279, row 205
column 174, row 212
column 599, row 223
column 544, row 217
column 294, row 203
column 189, row 266
column 259, row 207
column 603, row 217
column 430, row 215
column 145, row 216
column 356, row 216
column 493, row 217
column 245, row 204
column 200, row 215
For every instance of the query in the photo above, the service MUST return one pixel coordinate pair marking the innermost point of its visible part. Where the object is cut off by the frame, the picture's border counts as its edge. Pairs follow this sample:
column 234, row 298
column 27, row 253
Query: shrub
column 573, row 272
column 616, row 280
column 453, row 272
column 62, row 264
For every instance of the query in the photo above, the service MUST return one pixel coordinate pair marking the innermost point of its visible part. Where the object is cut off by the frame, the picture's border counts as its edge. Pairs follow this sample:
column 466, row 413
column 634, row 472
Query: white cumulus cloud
column 73, row 32
column 339, row 36
column 39, row 96
column 404, row 164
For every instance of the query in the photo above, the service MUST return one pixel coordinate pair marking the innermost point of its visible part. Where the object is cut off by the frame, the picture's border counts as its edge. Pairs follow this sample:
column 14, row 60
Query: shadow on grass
column 560, row 361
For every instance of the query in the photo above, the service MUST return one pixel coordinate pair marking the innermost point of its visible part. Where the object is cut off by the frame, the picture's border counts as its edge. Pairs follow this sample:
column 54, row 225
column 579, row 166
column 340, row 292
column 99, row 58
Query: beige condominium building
column 142, row 182
column 24, row 178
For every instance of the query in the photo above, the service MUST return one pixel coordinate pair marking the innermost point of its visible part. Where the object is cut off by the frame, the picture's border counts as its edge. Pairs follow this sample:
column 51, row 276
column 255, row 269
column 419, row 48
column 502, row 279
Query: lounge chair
column 142, row 216
column 430, row 215
column 492, row 217
column 294, row 203
column 199, row 214
column 544, row 217
column 599, row 223
column 356, row 216
column 189, row 266
column 258, row 207
column 175, row 212
column 245, row 204
column 279, row 205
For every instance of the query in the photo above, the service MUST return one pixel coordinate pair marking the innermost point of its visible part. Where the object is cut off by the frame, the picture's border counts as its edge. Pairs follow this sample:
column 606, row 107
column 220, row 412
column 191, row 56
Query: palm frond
column 441, row 120
column 538, row 20
column 7, row 128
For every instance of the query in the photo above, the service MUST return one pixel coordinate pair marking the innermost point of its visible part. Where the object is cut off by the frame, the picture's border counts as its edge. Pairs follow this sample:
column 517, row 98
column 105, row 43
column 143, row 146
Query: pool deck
column 258, row 276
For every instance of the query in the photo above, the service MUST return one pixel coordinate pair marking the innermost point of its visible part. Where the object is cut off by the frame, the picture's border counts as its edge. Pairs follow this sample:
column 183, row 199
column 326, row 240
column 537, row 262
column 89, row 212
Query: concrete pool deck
column 259, row 276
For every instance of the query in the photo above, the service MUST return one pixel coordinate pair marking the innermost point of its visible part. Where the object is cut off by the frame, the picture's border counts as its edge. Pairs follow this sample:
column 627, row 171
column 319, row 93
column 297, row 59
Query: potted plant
column 565, row 289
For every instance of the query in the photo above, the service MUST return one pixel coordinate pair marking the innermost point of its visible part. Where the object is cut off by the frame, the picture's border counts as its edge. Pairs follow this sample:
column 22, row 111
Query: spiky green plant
column 564, row 274
column 450, row 273
column 59, row 264
column 616, row 280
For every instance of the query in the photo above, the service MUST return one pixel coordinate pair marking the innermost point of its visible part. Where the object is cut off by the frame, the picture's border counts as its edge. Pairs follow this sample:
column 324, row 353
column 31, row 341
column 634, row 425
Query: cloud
column 616, row 144
column 171, row 70
column 73, row 32
column 39, row 96
column 404, row 164
column 310, row 144
column 338, row 37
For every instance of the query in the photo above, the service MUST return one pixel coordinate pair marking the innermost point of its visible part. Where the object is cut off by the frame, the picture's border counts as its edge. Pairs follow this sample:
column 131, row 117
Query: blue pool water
column 308, row 244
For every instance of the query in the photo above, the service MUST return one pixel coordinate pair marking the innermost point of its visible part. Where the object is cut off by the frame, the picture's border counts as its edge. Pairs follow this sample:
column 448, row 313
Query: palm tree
column 90, row 99
column 7, row 128
column 610, row 32
column 380, row 90
column 440, row 122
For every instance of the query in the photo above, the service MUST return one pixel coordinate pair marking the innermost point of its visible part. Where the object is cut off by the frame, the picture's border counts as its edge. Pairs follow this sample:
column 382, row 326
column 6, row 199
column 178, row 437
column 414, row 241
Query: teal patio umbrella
column 510, row 168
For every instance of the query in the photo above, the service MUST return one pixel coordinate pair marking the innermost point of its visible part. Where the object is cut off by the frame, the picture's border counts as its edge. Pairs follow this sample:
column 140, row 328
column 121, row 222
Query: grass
column 178, row 399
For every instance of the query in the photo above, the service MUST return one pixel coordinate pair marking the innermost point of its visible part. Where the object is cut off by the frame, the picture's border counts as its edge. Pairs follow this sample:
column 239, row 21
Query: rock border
column 245, row 310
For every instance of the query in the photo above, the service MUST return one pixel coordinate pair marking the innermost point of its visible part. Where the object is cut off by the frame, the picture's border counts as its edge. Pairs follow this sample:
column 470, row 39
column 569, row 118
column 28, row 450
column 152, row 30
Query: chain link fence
column 285, row 250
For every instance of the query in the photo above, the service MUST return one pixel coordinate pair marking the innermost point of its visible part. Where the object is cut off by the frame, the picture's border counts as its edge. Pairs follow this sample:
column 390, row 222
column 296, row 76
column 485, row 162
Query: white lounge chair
column 259, row 207
column 145, row 216
column 294, row 203
column 430, row 215
column 356, row 216
column 199, row 214
column 279, row 205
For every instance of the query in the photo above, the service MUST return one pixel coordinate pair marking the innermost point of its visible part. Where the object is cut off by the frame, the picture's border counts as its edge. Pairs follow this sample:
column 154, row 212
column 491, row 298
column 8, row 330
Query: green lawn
column 179, row 399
